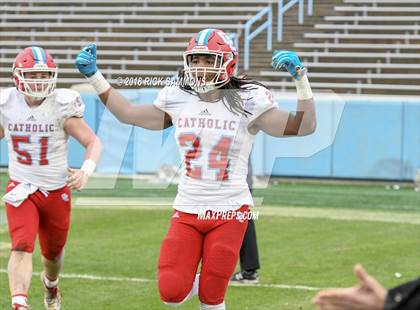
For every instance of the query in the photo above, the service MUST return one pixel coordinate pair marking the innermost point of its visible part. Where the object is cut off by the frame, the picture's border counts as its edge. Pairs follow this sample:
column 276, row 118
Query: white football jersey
column 214, row 146
column 37, row 142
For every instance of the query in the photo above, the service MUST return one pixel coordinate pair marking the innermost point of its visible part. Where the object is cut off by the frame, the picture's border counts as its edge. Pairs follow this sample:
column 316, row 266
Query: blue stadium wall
column 376, row 139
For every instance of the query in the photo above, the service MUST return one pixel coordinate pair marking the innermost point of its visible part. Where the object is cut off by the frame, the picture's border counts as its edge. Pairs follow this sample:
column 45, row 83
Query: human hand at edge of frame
column 289, row 61
column 368, row 294
column 86, row 60
column 77, row 179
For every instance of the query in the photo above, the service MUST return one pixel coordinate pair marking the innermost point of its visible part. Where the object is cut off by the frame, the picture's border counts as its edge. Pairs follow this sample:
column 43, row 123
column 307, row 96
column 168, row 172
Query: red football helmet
column 212, row 42
column 32, row 60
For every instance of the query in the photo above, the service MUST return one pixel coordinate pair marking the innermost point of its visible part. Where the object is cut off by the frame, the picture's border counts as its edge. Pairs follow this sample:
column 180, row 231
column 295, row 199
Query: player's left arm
column 302, row 122
column 79, row 129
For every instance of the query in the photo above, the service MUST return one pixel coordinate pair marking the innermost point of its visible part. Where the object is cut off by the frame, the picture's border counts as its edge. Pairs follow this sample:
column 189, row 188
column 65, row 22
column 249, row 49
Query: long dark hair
column 232, row 99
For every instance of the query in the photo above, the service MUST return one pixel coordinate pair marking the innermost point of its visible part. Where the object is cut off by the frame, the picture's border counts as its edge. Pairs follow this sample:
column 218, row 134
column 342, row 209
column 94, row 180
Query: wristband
column 303, row 88
column 99, row 83
column 88, row 167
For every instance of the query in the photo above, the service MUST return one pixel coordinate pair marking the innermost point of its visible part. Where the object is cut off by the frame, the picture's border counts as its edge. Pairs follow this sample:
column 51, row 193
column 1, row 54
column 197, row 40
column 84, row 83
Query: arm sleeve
column 404, row 297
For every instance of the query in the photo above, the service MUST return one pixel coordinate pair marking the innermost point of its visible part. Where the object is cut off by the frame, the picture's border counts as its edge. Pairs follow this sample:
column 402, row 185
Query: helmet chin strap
column 203, row 89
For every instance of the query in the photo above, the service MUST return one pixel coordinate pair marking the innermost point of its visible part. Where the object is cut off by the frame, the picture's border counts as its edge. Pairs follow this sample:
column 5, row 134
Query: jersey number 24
column 218, row 158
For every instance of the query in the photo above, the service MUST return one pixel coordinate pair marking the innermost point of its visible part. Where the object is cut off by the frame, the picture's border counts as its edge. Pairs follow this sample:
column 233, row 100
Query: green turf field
column 309, row 235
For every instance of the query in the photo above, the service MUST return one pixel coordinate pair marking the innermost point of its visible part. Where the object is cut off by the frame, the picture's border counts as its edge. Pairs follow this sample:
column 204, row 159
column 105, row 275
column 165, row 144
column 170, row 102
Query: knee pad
column 172, row 288
column 171, row 282
column 221, row 261
column 215, row 274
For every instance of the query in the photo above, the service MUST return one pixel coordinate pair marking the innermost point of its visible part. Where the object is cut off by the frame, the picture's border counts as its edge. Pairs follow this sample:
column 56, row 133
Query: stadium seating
column 349, row 46
column 362, row 47
column 143, row 38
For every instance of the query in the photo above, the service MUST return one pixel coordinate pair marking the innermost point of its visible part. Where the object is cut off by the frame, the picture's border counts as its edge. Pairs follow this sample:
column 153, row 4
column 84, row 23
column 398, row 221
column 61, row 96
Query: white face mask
column 34, row 87
column 198, row 75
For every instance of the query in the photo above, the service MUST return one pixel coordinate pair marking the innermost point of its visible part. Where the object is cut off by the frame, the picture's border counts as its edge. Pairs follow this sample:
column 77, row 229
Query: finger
column 84, row 57
column 282, row 54
column 334, row 304
column 71, row 185
column 284, row 60
column 276, row 54
column 89, row 48
column 281, row 64
column 93, row 49
column 361, row 274
column 74, row 185
column 73, row 181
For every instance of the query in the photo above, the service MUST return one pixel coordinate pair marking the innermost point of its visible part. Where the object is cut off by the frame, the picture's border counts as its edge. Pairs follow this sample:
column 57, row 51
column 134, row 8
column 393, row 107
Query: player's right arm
column 145, row 116
column 1, row 132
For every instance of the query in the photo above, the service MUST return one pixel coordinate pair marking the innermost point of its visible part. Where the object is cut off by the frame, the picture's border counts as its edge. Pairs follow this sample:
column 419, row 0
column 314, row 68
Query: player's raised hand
column 77, row 179
column 290, row 61
column 86, row 60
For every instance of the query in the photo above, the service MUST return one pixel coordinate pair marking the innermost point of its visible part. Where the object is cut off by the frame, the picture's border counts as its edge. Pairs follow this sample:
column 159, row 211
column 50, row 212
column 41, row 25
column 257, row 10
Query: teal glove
column 290, row 61
column 86, row 60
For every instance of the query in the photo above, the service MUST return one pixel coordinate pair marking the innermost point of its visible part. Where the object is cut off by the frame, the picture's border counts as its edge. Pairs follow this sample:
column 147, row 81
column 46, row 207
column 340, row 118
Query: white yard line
column 144, row 280
column 286, row 211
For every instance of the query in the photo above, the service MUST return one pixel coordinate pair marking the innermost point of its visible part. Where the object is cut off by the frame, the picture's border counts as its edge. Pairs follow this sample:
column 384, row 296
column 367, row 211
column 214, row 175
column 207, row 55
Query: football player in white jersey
column 37, row 119
column 216, row 117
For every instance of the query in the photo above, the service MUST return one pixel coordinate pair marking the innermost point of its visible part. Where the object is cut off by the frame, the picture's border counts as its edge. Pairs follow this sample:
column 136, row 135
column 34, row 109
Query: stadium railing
column 283, row 8
column 248, row 35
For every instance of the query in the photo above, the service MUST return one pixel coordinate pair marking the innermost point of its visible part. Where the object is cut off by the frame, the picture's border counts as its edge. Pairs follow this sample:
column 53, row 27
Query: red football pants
column 47, row 215
column 216, row 242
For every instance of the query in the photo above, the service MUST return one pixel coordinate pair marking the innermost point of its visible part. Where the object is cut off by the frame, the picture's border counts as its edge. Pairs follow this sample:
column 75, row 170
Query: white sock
column 213, row 307
column 50, row 284
column 20, row 299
